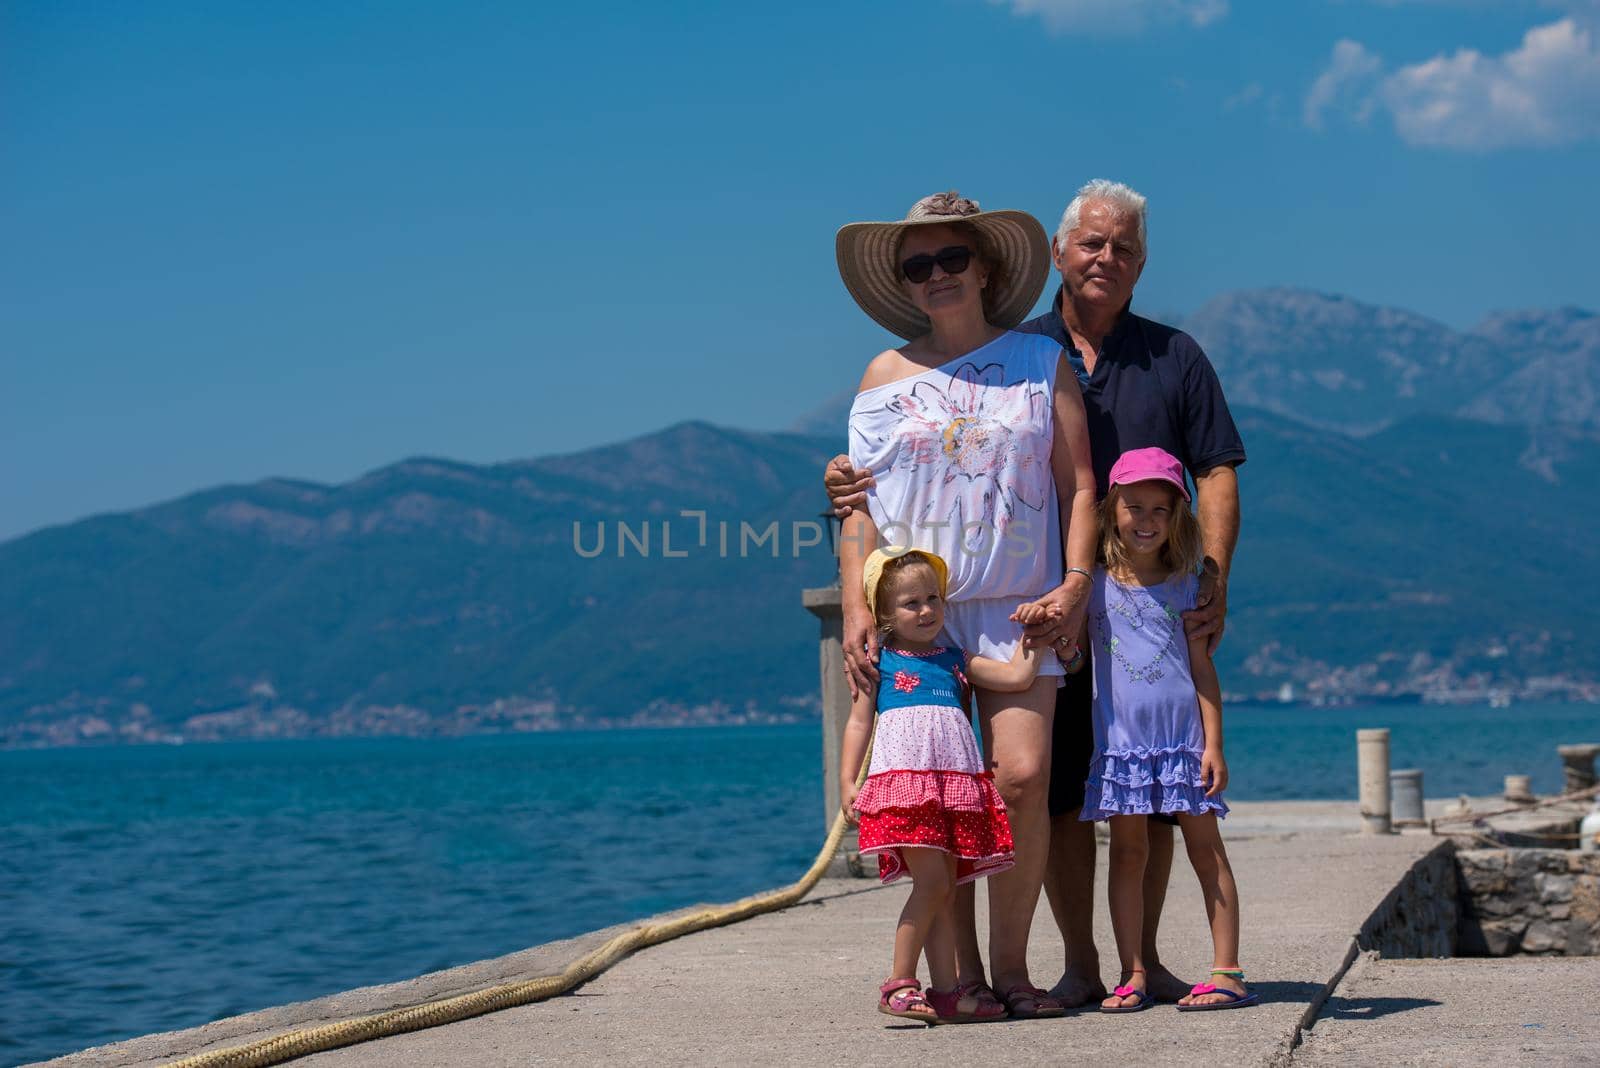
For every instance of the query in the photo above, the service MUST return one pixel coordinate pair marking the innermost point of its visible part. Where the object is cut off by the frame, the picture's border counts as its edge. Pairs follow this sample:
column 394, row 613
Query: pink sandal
column 903, row 998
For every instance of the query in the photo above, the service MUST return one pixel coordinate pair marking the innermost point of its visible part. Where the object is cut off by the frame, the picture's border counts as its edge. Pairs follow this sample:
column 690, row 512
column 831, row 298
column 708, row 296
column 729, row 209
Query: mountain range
column 1416, row 523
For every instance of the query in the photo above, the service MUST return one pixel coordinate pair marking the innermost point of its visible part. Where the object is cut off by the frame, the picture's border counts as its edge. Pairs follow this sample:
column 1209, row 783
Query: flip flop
column 1145, row 1000
column 1237, row 1001
column 1044, row 1007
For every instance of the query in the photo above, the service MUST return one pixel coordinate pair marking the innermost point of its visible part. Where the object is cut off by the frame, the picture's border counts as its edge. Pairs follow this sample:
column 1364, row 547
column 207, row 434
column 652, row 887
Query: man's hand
column 860, row 651
column 1207, row 618
column 847, row 487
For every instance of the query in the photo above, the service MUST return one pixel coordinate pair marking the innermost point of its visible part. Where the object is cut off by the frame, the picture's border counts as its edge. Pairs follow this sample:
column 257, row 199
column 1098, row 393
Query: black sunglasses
column 951, row 260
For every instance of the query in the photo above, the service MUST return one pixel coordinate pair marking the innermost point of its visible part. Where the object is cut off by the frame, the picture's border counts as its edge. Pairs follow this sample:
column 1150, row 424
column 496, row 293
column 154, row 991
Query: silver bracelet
column 1078, row 570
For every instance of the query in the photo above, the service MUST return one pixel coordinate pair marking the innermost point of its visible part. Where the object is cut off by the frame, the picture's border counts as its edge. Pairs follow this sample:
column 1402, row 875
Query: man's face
column 1101, row 260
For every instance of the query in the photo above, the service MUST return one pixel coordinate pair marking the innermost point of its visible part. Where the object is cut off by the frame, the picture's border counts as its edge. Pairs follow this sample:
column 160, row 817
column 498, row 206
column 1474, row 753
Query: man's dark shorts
column 1072, row 745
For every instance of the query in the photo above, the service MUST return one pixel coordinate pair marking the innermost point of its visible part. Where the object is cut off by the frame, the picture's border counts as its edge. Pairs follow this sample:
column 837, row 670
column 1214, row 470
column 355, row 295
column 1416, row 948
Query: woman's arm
column 1213, row 768
column 1074, row 479
column 853, row 749
column 858, row 536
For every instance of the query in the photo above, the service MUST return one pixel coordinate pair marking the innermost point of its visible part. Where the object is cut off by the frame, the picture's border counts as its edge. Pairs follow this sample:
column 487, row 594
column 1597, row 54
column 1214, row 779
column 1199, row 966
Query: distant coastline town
column 79, row 722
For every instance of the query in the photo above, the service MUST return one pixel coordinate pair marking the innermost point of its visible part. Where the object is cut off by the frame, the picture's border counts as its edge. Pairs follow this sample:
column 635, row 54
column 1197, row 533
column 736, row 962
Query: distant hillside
column 1337, row 362
column 1334, row 362
column 424, row 588
column 437, row 596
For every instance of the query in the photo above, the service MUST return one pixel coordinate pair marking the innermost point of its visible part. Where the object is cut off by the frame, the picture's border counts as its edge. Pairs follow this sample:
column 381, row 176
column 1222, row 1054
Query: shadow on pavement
column 1285, row 991
column 1372, row 1008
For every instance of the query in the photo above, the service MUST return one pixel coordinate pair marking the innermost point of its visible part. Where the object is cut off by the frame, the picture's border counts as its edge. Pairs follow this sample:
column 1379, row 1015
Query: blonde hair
column 1182, row 551
column 895, row 569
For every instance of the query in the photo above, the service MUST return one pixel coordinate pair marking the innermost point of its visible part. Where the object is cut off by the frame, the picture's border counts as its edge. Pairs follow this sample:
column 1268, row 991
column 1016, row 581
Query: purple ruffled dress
column 1147, row 732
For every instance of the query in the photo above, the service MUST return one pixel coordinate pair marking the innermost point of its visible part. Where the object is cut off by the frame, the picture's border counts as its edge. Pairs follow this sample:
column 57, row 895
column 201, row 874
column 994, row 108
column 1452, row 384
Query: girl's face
column 1144, row 517
column 916, row 611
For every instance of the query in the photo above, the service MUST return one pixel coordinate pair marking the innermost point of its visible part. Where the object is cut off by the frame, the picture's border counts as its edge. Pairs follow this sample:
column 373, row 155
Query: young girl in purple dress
column 1157, row 719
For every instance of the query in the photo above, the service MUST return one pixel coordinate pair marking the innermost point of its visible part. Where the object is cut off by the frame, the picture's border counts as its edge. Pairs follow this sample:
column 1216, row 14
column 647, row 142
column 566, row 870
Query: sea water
column 152, row 888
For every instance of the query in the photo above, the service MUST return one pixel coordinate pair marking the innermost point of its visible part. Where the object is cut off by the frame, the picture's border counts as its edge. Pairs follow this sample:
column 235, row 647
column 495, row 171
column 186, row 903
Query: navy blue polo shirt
column 1152, row 385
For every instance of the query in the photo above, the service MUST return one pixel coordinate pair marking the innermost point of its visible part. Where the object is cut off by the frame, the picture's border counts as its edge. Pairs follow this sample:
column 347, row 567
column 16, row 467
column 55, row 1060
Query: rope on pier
column 311, row 1040
column 1588, row 793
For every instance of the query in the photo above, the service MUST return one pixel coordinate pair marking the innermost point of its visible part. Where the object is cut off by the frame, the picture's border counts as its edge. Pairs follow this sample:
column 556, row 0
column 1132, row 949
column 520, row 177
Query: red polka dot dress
column 927, row 785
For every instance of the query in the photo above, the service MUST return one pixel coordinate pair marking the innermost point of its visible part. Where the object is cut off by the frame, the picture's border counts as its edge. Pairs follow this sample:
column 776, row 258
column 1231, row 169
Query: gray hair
column 1122, row 199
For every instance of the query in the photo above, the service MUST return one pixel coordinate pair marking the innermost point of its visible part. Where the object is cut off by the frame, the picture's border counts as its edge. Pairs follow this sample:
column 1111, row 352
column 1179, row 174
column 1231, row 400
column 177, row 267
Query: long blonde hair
column 1182, row 551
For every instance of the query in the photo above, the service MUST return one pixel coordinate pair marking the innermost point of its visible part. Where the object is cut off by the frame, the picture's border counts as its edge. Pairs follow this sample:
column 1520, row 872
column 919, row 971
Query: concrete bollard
column 1577, row 761
column 1405, row 794
column 1519, row 789
column 1372, row 770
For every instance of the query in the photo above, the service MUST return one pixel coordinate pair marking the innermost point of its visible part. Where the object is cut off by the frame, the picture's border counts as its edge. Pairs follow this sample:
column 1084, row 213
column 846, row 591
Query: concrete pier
column 799, row 986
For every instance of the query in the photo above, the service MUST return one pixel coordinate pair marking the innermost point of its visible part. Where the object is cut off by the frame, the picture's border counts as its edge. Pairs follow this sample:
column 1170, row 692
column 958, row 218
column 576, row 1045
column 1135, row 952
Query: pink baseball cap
column 1148, row 465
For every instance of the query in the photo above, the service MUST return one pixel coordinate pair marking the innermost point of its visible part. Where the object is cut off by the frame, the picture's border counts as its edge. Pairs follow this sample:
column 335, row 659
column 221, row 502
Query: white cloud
column 1545, row 92
column 1123, row 16
column 1244, row 97
column 1348, row 83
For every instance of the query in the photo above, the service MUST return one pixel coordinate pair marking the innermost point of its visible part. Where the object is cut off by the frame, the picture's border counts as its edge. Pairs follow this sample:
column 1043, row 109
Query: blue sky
column 240, row 240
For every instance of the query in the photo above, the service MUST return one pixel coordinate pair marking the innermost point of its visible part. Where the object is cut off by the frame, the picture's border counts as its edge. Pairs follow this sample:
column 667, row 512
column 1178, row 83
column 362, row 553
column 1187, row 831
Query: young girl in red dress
column 928, row 808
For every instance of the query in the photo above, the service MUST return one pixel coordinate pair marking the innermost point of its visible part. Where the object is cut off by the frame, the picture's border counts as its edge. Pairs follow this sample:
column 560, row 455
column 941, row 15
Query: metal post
column 824, row 603
column 1519, row 789
column 1372, row 769
column 1405, row 793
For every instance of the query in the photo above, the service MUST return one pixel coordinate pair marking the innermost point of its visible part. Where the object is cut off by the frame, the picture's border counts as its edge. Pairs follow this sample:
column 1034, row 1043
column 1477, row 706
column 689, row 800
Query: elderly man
column 1143, row 384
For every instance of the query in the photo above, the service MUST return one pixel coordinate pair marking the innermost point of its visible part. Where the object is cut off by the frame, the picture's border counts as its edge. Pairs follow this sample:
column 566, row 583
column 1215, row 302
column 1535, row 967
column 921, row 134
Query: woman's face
column 943, row 294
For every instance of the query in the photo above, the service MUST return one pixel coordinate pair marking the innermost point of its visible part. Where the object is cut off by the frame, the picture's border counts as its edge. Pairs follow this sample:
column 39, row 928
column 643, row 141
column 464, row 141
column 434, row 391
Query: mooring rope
column 311, row 1040
column 1586, row 794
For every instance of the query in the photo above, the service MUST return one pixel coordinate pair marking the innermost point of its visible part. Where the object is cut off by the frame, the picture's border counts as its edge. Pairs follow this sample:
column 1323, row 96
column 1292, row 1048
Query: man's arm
column 1218, row 510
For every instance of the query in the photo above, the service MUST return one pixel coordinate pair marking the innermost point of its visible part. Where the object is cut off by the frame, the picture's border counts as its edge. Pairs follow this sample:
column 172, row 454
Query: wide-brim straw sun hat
column 867, row 262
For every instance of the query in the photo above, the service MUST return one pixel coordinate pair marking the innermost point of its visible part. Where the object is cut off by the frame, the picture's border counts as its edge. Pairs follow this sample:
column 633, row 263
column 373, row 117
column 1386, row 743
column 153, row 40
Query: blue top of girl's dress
column 933, row 678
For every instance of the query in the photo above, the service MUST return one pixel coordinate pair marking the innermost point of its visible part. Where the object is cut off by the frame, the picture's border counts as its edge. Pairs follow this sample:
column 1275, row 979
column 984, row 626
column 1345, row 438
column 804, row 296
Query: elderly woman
column 976, row 440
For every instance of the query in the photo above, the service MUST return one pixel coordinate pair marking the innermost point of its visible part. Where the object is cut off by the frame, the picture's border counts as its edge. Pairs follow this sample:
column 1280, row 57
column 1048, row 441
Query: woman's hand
column 1213, row 771
column 847, row 801
column 1063, row 610
column 847, row 487
column 860, row 650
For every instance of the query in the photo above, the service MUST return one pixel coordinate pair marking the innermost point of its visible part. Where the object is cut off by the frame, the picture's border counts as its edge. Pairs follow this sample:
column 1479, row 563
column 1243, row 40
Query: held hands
column 1036, row 612
column 1055, row 616
column 846, row 486
column 1213, row 771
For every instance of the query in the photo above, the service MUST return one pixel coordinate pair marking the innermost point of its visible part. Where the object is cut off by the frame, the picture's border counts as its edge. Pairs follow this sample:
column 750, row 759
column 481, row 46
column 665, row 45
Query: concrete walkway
column 800, row 986
column 1459, row 1012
